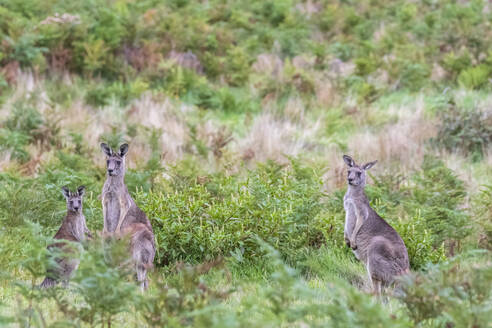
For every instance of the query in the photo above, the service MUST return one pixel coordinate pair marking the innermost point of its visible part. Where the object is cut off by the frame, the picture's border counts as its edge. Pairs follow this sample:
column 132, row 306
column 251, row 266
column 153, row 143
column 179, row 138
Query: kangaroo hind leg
column 143, row 263
column 142, row 276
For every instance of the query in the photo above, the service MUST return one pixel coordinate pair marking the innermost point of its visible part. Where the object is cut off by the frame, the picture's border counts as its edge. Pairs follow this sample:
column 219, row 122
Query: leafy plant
column 15, row 143
column 482, row 210
column 224, row 215
column 183, row 300
column 465, row 131
column 453, row 292
column 440, row 195
column 474, row 77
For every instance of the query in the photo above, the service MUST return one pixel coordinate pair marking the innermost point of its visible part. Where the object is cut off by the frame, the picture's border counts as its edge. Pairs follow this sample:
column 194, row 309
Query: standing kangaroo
column 73, row 229
column 372, row 239
column 122, row 217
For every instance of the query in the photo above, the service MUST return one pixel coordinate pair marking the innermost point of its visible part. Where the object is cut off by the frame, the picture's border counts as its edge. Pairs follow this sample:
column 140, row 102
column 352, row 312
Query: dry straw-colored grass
column 166, row 116
column 275, row 133
column 269, row 64
column 272, row 138
column 403, row 142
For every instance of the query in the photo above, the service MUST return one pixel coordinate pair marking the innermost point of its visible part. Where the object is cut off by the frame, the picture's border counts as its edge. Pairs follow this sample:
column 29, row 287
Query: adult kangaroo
column 372, row 239
column 122, row 217
column 73, row 229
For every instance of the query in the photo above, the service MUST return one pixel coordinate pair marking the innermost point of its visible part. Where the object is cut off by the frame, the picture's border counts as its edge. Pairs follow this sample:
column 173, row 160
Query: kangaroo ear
column 106, row 149
column 81, row 190
column 367, row 166
column 65, row 191
column 348, row 160
column 123, row 149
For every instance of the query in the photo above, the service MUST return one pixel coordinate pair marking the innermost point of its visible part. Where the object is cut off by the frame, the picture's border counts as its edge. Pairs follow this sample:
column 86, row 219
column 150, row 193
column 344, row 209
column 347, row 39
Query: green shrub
column 440, row 195
column 475, row 77
column 99, row 95
column 333, row 219
column 365, row 65
column 24, row 49
column 456, row 64
column 226, row 214
column 291, row 300
column 455, row 293
column 275, row 12
column 464, row 131
column 420, row 242
column 407, row 14
column 23, row 202
column 364, row 91
column 101, row 280
column 351, row 19
column 482, row 210
column 32, row 258
column 179, row 81
column 25, row 119
column 393, row 200
column 327, row 18
column 227, row 100
column 96, row 56
column 184, row 299
column 100, row 284
column 344, row 51
column 15, row 142
column 414, row 76
column 237, row 67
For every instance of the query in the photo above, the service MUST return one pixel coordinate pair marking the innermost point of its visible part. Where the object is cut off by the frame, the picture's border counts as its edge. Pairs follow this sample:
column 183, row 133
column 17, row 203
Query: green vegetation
column 237, row 114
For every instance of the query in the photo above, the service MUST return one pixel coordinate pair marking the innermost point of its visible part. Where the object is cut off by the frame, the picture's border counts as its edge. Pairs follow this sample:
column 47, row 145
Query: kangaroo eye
column 107, row 162
column 358, row 174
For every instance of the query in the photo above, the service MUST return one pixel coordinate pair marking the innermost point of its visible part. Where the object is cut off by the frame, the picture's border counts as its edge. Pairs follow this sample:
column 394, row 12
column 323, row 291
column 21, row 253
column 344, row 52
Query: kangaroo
column 73, row 229
column 372, row 239
column 122, row 217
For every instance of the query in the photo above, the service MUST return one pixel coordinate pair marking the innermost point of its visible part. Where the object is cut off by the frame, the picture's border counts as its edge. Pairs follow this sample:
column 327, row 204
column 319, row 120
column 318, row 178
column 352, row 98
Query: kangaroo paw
column 347, row 242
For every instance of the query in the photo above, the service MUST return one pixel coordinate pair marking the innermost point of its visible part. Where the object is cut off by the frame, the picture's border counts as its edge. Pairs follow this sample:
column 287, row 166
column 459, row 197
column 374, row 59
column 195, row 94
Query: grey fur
column 122, row 217
column 372, row 239
column 74, row 229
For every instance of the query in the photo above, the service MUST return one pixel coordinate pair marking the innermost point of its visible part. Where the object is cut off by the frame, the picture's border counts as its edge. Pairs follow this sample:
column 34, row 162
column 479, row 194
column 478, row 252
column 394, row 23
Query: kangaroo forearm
column 358, row 224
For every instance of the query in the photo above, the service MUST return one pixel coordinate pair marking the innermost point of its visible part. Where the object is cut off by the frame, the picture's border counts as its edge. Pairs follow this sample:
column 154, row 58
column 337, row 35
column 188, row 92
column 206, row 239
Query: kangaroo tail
column 48, row 283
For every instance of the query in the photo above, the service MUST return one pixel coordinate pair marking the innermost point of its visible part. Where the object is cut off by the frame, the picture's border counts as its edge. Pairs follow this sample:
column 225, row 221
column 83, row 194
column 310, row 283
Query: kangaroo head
column 115, row 161
column 356, row 174
column 74, row 199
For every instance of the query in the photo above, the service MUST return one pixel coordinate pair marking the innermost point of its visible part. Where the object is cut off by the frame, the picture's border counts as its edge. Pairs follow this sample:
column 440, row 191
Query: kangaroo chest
column 355, row 217
column 115, row 208
column 78, row 228
column 350, row 216
column 72, row 229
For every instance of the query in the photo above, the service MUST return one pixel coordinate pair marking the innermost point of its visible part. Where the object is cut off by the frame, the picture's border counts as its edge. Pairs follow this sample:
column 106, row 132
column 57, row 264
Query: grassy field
column 237, row 115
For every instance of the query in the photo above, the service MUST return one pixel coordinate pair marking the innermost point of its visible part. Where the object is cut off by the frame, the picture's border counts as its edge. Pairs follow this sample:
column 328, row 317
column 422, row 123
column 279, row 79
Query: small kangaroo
column 372, row 239
column 122, row 217
column 73, row 229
